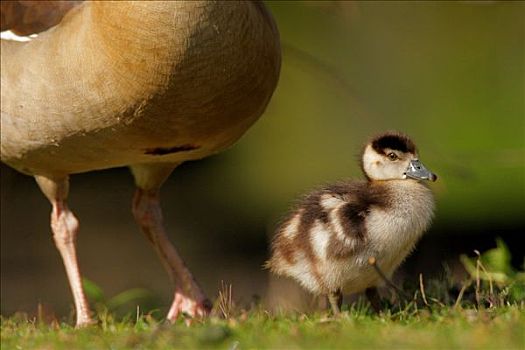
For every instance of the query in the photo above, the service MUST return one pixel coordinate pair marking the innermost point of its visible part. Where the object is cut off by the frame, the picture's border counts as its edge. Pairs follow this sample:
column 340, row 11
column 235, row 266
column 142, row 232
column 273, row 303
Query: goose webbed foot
column 189, row 299
column 188, row 306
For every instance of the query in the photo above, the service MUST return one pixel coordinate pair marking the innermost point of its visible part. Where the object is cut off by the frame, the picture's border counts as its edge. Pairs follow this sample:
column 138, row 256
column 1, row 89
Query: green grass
column 485, row 311
column 414, row 328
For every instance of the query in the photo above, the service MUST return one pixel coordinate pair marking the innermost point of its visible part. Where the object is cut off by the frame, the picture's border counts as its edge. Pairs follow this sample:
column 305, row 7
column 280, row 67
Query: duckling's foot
column 336, row 301
column 189, row 306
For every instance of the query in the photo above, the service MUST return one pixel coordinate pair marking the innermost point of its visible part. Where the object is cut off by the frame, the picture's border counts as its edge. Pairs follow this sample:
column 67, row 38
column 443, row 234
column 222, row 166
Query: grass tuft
column 485, row 311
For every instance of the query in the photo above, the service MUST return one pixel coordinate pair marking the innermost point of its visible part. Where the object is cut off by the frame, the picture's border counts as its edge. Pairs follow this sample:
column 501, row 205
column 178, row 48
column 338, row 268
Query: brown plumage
column 134, row 83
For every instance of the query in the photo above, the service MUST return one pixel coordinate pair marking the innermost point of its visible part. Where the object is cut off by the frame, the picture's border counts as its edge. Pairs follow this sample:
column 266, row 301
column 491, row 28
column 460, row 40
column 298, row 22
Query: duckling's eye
column 392, row 156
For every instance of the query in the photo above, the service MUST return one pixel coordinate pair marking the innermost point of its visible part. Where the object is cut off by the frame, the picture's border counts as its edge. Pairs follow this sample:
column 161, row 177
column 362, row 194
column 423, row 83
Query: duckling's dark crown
column 393, row 140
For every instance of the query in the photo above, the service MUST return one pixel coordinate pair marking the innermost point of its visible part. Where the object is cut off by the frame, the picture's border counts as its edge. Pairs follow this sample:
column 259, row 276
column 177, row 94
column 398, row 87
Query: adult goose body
column 142, row 84
column 120, row 83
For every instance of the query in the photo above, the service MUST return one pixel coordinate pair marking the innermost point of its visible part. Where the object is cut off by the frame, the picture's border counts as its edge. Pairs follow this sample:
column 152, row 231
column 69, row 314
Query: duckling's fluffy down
column 326, row 241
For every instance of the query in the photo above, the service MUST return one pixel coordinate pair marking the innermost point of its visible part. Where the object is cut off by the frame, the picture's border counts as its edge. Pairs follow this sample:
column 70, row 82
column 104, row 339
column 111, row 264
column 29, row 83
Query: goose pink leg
column 65, row 227
column 189, row 298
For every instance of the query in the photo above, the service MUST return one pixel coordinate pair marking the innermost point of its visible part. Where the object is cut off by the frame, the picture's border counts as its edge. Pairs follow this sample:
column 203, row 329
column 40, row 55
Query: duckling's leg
column 374, row 298
column 65, row 226
column 336, row 301
column 189, row 297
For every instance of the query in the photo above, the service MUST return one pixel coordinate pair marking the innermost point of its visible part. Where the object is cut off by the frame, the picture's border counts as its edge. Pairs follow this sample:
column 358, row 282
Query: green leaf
column 129, row 296
column 498, row 259
column 93, row 291
column 470, row 266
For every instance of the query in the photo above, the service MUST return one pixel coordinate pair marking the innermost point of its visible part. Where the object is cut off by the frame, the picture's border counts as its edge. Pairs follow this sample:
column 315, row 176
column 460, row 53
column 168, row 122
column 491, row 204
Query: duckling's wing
column 347, row 206
column 315, row 234
column 314, row 228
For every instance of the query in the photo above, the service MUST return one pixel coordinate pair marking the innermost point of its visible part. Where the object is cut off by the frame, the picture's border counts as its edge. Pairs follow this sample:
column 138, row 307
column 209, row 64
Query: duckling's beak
column 416, row 170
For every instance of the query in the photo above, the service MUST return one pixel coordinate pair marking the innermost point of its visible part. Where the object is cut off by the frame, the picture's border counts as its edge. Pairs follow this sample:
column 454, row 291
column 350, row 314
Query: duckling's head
column 393, row 156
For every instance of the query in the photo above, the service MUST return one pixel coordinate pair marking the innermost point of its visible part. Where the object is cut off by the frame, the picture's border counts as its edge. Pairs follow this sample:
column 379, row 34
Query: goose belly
column 163, row 140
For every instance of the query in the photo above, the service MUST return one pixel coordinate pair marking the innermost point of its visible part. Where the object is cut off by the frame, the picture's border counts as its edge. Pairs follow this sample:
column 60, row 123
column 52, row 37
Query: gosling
column 325, row 243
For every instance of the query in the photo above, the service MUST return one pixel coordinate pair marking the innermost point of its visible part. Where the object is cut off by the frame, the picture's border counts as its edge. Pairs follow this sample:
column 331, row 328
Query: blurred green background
column 450, row 74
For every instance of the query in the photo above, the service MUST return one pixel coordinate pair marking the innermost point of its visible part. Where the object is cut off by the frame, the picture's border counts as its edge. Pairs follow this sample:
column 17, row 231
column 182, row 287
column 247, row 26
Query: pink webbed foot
column 189, row 298
column 184, row 305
